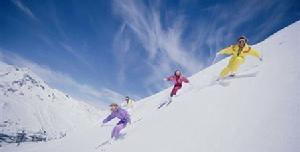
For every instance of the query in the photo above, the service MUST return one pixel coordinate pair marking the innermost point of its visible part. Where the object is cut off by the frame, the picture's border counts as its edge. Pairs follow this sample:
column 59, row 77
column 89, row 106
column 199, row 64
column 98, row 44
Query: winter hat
column 243, row 37
column 113, row 105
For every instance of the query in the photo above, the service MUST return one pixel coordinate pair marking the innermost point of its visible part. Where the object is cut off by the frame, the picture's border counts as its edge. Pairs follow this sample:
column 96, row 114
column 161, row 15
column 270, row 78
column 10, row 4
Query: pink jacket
column 178, row 80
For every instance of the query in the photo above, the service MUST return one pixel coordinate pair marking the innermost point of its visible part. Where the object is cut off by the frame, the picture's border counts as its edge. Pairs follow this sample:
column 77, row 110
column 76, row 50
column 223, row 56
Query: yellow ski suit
column 238, row 57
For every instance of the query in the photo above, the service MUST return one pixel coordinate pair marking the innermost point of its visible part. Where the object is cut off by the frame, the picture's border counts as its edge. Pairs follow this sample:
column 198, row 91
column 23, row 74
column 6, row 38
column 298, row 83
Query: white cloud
column 162, row 40
column 24, row 9
column 63, row 81
column 163, row 46
column 227, row 19
column 122, row 44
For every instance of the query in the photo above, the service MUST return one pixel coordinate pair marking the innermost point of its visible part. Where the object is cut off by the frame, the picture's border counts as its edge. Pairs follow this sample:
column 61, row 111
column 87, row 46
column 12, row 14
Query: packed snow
column 256, row 111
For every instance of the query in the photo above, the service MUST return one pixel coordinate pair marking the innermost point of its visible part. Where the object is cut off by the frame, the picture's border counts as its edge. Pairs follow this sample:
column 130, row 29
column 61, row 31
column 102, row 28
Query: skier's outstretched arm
column 227, row 51
column 255, row 53
column 109, row 118
column 170, row 78
column 184, row 79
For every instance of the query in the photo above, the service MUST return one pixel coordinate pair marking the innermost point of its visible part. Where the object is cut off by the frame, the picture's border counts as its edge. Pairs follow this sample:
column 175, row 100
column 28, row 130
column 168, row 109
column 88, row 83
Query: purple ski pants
column 117, row 129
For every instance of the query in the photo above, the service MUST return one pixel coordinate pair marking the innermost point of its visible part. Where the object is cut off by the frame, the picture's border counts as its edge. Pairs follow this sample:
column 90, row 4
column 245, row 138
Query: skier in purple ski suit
column 122, row 115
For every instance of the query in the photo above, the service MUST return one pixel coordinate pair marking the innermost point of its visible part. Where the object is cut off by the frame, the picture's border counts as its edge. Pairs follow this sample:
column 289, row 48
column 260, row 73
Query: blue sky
column 101, row 50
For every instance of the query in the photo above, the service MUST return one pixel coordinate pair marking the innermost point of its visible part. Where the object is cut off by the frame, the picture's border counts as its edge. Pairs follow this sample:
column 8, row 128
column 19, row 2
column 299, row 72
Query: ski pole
column 215, row 58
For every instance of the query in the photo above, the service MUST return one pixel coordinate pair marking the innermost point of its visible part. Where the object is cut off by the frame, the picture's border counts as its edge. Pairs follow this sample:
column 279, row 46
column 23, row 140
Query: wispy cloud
column 162, row 37
column 64, row 81
column 62, row 40
column 25, row 9
column 122, row 44
column 163, row 46
column 226, row 23
column 76, row 54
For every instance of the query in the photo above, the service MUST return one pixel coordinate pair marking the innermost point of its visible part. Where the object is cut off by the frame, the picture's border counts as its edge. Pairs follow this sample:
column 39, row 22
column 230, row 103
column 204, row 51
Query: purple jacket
column 119, row 113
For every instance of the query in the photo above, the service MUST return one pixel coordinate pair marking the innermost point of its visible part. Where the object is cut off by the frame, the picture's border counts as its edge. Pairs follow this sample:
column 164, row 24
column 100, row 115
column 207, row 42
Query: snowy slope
column 259, row 113
column 256, row 112
column 28, row 103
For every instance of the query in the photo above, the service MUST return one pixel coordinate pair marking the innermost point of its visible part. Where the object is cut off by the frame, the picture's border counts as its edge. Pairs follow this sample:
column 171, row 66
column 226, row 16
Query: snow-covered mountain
column 257, row 111
column 28, row 103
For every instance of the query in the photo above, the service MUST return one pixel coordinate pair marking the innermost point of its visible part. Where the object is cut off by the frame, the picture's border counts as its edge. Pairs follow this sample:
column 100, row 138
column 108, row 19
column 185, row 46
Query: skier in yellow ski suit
column 238, row 53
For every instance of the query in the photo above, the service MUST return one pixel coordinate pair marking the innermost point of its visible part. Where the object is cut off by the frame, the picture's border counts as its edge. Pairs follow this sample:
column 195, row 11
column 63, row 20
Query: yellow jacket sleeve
column 254, row 53
column 227, row 50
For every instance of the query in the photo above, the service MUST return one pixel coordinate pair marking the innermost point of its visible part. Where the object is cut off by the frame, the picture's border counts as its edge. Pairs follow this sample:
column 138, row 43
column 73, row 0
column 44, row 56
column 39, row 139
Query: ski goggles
column 242, row 40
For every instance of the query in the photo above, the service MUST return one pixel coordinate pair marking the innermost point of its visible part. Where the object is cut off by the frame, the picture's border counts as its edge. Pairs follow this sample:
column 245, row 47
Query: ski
column 236, row 76
column 165, row 104
column 103, row 144
column 161, row 105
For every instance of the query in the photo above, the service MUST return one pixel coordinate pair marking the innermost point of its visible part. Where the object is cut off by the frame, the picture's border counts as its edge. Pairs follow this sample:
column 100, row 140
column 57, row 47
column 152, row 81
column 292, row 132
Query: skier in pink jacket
column 177, row 79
